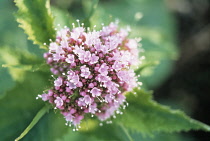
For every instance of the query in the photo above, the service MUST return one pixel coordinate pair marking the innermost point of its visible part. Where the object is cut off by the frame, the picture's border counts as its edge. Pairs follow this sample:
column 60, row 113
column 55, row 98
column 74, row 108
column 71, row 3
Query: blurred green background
column 175, row 39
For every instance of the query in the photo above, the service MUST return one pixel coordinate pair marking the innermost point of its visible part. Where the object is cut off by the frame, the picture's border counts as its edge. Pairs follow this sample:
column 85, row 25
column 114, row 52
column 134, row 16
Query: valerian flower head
column 92, row 70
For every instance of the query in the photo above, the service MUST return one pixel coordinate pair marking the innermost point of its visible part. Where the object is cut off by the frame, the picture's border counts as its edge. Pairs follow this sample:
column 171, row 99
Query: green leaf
column 126, row 132
column 6, row 82
column 34, row 121
column 91, row 131
column 148, row 117
column 19, row 107
column 62, row 17
column 36, row 19
column 18, row 61
column 50, row 128
column 89, row 7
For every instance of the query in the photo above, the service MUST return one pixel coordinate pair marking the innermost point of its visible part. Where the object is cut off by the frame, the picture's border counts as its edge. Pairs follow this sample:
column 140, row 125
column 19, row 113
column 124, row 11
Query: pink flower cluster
column 91, row 71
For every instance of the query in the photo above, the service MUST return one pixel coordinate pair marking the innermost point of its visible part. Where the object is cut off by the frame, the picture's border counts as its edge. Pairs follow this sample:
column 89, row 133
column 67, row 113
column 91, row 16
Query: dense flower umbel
column 91, row 71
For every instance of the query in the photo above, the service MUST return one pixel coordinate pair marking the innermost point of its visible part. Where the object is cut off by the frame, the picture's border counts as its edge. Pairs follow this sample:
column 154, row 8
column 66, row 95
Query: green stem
column 34, row 121
column 126, row 132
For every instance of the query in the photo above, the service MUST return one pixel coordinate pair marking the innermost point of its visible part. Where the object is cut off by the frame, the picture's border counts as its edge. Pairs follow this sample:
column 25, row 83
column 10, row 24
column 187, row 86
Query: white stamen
column 99, row 99
column 142, row 58
column 73, row 25
column 78, row 22
column 140, row 83
column 39, row 96
column 53, row 76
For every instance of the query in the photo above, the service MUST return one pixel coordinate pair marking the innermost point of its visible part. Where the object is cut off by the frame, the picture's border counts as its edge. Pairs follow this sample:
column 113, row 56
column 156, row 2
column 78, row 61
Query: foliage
column 147, row 116
column 19, row 107
column 36, row 20
column 25, row 76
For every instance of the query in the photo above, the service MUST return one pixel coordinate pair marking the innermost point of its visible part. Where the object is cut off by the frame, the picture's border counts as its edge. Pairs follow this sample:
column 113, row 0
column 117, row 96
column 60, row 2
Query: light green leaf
column 18, row 61
column 36, row 19
column 148, row 117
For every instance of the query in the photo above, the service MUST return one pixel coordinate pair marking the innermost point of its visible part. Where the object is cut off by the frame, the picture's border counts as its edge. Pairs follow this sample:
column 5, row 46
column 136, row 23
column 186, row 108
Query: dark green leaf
column 38, row 116
column 19, row 106
column 148, row 117
column 6, row 82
